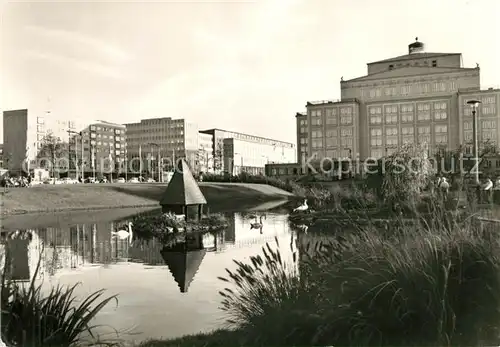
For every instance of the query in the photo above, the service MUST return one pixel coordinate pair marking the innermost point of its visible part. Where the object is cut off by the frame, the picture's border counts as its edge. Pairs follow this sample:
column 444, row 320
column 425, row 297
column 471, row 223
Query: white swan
column 124, row 234
column 302, row 207
column 256, row 225
column 303, row 227
column 488, row 185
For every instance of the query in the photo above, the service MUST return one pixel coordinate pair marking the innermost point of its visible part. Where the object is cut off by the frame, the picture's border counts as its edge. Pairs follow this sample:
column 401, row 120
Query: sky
column 246, row 66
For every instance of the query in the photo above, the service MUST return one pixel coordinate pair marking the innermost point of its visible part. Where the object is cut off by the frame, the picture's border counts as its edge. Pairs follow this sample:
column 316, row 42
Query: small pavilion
column 183, row 196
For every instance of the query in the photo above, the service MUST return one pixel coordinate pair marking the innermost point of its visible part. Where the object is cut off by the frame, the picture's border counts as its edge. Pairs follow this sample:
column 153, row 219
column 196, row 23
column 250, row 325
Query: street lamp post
column 76, row 153
column 474, row 105
column 158, row 163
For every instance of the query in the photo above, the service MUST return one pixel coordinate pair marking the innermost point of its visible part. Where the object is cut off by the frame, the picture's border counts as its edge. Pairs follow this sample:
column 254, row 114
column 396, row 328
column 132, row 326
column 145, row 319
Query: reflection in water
column 184, row 259
column 149, row 299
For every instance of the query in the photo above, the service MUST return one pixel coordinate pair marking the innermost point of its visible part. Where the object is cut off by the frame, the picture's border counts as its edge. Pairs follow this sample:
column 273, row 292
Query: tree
column 6, row 160
column 219, row 156
column 51, row 152
column 202, row 159
column 402, row 176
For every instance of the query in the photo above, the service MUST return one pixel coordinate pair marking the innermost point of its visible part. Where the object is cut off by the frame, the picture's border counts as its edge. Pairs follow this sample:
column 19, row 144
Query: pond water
column 151, row 303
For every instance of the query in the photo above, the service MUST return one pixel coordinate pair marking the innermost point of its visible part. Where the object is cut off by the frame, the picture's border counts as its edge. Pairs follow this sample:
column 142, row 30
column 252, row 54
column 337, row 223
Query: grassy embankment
column 54, row 198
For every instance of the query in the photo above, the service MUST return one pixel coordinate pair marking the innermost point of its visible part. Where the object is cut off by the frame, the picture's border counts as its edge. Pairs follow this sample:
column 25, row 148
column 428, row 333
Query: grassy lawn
column 53, row 198
column 215, row 338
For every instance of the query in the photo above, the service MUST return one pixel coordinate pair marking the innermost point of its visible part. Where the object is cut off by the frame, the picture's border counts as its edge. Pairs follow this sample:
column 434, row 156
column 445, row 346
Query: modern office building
column 24, row 134
column 236, row 152
column 172, row 138
column 102, row 148
column 418, row 97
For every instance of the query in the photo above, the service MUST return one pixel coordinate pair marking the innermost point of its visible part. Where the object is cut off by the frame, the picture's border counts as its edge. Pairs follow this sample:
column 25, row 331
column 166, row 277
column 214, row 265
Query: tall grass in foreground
column 30, row 318
column 433, row 282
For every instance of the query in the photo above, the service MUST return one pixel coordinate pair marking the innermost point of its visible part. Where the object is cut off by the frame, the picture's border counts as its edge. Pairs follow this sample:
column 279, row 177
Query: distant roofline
column 17, row 110
column 471, row 91
column 206, row 131
column 410, row 57
column 103, row 122
column 332, row 102
column 160, row 118
column 301, row 114
column 452, row 70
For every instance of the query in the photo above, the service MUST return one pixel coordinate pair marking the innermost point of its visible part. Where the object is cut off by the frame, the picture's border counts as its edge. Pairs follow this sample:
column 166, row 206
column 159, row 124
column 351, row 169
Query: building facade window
column 406, row 108
column 346, row 132
column 331, row 153
column 440, row 115
column 331, row 142
column 346, row 119
column 316, row 134
column 489, row 109
column 391, row 109
column 423, row 116
column 316, row 117
column 376, row 119
column 488, row 99
column 391, row 119
column 317, row 143
column 392, row 131
column 489, row 135
column 376, row 137
column 408, row 134
column 439, row 87
column 407, row 118
column 346, row 142
column 376, row 153
column 405, row 90
column 390, row 91
column 424, row 134
column 488, row 124
column 375, row 93
column 331, row 116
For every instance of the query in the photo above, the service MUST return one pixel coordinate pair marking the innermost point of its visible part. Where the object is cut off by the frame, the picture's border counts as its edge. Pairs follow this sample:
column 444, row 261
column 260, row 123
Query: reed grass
column 434, row 282
column 31, row 318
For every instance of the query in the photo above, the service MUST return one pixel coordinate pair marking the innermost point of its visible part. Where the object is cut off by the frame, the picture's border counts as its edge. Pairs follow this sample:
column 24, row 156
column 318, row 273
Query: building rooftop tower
column 416, row 47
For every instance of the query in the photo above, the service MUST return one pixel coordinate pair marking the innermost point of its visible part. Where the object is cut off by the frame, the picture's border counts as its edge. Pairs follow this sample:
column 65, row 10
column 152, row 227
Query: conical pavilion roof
column 183, row 188
column 183, row 266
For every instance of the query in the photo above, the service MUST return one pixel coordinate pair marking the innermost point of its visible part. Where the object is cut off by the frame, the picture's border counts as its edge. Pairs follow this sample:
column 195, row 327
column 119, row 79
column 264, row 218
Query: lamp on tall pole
column 76, row 152
column 158, row 164
column 474, row 104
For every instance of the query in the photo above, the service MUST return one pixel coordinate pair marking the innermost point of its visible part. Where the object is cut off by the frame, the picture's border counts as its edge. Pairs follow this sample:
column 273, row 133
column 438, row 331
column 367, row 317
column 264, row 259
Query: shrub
column 54, row 320
column 433, row 282
column 159, row 225
column 269, row 306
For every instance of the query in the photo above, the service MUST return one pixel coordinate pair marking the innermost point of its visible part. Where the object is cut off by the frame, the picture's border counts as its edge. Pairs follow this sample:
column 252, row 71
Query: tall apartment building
column 24, row 134
column 418, row 97
column 173, row 138
column 302, row 136
column 237, row 152
column 102, row 147
column 2, row 164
